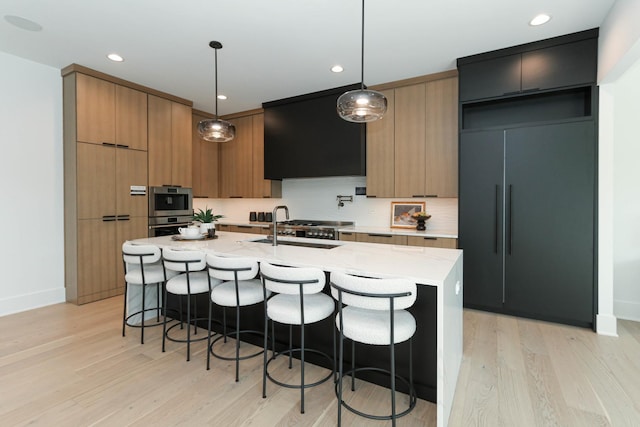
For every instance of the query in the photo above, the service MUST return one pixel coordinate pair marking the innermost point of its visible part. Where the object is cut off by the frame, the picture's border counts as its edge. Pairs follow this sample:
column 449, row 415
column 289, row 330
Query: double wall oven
column 169, row 209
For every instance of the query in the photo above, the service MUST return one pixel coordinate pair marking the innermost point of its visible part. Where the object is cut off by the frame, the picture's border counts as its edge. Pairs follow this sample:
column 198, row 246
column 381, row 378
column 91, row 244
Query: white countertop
column 429, row 232
column 428, row 266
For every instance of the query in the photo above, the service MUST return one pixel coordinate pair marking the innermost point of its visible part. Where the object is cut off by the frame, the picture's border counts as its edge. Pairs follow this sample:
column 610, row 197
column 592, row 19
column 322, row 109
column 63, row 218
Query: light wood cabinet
column 242, row 160
column 170, row 143
column 105, row 138
column 391, row 239
column 412, row 151
column 110, row 113
column 205, row 158
column 432, row 242
column 380, row 152
column 348, row 237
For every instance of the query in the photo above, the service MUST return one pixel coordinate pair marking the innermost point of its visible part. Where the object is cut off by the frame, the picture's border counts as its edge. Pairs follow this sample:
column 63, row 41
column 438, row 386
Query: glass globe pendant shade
column 216, row 130
column 362, row 105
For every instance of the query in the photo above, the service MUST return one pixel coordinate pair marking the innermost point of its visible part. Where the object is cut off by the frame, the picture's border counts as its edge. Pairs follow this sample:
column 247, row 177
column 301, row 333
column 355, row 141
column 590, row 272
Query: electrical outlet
column 361, row 191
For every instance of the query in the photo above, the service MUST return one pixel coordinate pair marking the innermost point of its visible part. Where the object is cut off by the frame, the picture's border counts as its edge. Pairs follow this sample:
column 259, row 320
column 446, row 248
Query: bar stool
column 373, row 311
column 239, row 288
column 297, row 299
column 142, row 267
column 192, row 279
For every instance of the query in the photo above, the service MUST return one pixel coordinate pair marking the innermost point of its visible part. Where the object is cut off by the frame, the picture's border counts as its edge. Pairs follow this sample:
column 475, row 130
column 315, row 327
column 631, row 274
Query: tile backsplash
column 316, row 198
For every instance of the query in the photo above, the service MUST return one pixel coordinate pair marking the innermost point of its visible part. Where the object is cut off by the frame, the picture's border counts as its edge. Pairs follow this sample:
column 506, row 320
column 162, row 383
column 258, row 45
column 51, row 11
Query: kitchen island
column 438, row 309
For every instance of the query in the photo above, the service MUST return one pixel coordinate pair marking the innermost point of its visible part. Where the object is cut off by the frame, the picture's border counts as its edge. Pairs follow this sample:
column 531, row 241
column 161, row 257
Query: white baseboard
column 628, row 310
column 606, row 325
column 30, row 301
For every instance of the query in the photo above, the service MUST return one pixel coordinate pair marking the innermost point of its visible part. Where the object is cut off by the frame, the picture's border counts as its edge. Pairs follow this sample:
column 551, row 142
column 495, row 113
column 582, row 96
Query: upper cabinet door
column 490, row 78
column 380, row 152
column 131, row 118
column 236, row 161
column 95, row 107
column 181, row 173
column 410, row 117
column 159, row 141
column 559, row 66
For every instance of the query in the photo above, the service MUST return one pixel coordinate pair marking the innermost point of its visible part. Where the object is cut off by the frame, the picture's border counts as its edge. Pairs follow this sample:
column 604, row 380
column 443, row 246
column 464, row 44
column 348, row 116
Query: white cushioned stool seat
column 198, row 283
column 373, row 326
column 153, row 273
column 249, row 292
column 285, row 308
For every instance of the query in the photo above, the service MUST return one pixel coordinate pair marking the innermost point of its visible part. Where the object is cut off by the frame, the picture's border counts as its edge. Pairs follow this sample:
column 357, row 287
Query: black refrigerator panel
column 481, row 217
column 549, row 219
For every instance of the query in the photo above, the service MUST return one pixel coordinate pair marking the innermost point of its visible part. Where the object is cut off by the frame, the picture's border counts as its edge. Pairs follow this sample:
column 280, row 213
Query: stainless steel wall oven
column 169, row 209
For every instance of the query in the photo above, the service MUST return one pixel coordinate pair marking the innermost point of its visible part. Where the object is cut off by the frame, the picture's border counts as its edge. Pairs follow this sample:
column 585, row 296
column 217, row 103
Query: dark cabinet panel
column 560, row 66
column 527, row 220
column 550, row 178
column 481, row 221
column 489, row 78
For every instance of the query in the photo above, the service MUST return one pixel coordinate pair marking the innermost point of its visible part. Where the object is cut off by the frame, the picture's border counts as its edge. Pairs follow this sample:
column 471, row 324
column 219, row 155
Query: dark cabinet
column 527, row 220
column 530, row 68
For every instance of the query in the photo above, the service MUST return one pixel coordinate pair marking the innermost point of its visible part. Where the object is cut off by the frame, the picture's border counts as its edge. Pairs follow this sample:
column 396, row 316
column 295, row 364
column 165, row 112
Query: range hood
column 304, row 137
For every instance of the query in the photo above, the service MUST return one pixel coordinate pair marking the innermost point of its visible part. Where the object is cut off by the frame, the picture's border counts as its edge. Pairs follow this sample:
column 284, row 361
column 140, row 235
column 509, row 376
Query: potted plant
column 206, row 219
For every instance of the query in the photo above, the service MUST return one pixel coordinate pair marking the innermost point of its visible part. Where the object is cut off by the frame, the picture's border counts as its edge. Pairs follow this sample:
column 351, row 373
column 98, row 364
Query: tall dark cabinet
column 527, row 193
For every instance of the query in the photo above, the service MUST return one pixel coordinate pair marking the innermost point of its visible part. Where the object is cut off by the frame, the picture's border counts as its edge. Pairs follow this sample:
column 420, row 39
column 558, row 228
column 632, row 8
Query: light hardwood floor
column 67, row 365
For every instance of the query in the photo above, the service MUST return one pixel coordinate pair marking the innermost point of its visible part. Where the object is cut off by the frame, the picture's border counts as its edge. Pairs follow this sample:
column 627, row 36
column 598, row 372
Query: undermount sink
column 298, row 243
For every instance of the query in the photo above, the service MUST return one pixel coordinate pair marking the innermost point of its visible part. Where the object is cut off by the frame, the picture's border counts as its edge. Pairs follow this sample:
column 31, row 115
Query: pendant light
column 362, row 105
column 216, row 130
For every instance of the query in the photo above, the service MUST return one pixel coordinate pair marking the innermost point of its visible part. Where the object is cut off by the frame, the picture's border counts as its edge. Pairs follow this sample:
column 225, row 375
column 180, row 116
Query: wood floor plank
column 69, row 365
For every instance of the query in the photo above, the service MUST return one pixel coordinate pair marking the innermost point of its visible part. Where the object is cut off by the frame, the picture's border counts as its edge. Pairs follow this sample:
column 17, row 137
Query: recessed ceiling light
column 115, row 57
column 337, row 69
column 23, row 23
column 222, row 96
column 540, row 19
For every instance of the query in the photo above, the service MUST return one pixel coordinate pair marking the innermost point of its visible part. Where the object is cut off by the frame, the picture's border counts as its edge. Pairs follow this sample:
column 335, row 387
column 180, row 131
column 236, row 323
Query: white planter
column 205, row 226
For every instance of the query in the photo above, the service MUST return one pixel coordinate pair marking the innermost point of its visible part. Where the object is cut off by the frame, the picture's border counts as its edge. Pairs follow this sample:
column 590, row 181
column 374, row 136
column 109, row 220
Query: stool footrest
column 412, row 395
column 184, row 340
column 298, row 350
column 232, row 335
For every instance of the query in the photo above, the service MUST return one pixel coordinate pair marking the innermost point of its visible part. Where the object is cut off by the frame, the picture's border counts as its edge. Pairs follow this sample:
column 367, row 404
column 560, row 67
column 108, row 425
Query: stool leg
column 302, row 368
column 164, row 322
column 273, row 339
column 340, row 370
column 353, row 365
column 144, row 288
column 188, row 328
column 393, row 384
column 237, row 343
column 158, row 301
column 124, row 310
column 195, row 316
column 209, row 337
column 224, row 323
column 264, row 359
column 290, row 339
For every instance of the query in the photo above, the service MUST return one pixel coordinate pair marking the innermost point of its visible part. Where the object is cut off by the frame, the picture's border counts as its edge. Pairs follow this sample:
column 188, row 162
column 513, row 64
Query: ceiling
column 275, row 49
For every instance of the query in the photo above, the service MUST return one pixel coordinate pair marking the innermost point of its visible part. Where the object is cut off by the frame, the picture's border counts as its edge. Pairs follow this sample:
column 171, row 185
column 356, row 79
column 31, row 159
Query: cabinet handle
column 496, row 225
column 510, row 218
column 123, row 217
column 121, row 146
column 380, row 235
column 108, row 144
column 244, row 226
column 235, row 197
column 430, row 238
column 346, row 234
column 418, row 195
column 371, row 196
column 107, row 218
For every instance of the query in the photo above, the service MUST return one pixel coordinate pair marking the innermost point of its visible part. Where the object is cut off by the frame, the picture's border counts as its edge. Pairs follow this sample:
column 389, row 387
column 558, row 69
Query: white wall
column 619, row 263
column 626, row 198
column 32, row 260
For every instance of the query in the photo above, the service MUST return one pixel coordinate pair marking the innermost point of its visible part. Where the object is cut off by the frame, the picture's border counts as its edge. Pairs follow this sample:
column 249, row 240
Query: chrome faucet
column 275, row 222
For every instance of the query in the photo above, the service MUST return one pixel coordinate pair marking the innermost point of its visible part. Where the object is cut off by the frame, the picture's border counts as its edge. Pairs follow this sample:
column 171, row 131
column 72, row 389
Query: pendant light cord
column 362, row 52
column 216, row 80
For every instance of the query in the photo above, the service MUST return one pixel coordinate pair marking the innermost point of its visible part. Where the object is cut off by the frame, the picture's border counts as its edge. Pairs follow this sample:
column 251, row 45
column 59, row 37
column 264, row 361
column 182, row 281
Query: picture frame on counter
column 401, row 213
